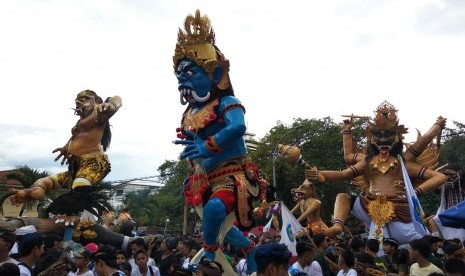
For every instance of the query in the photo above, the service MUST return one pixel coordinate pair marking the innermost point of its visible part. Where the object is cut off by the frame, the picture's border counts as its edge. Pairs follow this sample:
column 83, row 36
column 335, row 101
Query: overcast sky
column 289, row 59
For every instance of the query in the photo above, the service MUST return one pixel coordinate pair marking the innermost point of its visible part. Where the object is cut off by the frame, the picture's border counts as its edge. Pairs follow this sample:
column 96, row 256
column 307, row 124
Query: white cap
column 25, row 230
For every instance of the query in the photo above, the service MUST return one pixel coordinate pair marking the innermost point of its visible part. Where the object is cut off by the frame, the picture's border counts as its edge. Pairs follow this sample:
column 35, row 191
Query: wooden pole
column 184, row 222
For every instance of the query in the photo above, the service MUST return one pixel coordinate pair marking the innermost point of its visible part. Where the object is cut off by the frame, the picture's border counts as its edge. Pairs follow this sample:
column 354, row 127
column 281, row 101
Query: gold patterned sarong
column 237, row 176
column 92, row 167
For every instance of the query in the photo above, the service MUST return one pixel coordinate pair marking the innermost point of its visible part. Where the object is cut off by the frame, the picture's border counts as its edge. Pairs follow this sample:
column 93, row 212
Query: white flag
column 416, row 212
column 290, row 229
column 267, row 227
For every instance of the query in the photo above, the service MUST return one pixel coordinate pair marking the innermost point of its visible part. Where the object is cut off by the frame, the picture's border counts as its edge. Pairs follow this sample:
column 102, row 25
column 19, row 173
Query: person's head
column 433, row 241
column 197, row 237
column 186, row 247
column 169, row 244
column 7, row 240
column 357, row 245
column 390, row 245
column 53, row 241
column 305, row 252
column 9, row 269
column 126, row 228
column 272, row 259
column 207, row 267
column 450, row 248
column 346, row 258
column 31, row 245
column 105, row 260
column 419, row 248
column 193, row 252
column 454, row 267
column 321, row 241
column 136, row 245
column 125, row 267
column 81, row 257
column 364, row 258
column 121, row 257
column 372, row 245
column 141, row 259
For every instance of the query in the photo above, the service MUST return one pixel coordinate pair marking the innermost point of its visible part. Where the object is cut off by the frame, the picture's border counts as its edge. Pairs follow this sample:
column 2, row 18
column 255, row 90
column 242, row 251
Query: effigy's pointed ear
column 217, row 74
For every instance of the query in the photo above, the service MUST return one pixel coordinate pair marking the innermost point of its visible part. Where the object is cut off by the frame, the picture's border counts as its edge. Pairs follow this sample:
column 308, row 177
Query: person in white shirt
column 346, row 261
column 419, row 251
column 7, row 240
column 186, row 247
column 241, row 266
column 143, row 269
column 136, row 245
column 305, row 252
column 31, row 247
column 81, row 259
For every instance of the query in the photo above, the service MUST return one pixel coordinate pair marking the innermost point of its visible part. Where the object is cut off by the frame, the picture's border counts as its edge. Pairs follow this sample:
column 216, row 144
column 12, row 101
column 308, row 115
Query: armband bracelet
column 39, row 186
column 211, row 145
column 207, row 247
column 347, row 132
column 413, row 151
column 419, row 191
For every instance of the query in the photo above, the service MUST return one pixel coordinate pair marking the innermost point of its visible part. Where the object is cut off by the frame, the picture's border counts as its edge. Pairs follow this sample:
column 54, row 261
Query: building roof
column 6, row 183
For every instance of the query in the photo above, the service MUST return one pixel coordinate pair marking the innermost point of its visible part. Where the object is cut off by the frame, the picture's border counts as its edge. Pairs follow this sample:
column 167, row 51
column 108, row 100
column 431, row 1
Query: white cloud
column 288, row 60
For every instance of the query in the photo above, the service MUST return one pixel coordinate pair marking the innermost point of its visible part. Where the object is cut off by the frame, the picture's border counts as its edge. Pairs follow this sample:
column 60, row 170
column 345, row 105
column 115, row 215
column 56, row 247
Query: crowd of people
column 28, row 253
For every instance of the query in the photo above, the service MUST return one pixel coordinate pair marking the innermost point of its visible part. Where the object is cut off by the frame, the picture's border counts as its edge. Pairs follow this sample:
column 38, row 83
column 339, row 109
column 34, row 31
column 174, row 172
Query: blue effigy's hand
column 195, row 146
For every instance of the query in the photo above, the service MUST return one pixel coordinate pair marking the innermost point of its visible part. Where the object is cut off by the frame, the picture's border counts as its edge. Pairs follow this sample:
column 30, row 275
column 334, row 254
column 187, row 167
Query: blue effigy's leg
column 214, row 214
column 236, row 238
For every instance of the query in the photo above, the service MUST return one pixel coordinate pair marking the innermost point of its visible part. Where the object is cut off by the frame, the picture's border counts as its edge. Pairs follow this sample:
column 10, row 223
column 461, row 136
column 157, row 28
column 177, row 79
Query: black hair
column 271, row 253
column 363, row 257
column 303, row 247
column 372, row 245
column 107, row 254
column 125, row 267
column 450, row 248
column 357, row 244
column 138, row 241
column 454, row 265
column 319, row 239
column 348, row 256
column 9, row 269
column 140, row 251
column 122, row 252
column 9, row 237
column 49, row 240
column 29, row 242
column 189, row 243
column 422, row 246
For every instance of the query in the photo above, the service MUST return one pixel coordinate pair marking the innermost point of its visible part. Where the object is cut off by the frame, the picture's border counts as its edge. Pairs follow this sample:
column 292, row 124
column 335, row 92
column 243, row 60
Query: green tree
column 170, row 198
column 27, row 177
column 320, row 142
column 453, row 148
column 141, row 205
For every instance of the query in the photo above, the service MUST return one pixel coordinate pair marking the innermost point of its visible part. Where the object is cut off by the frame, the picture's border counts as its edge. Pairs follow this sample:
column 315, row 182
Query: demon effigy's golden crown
column 196, row 43
column 386, row 119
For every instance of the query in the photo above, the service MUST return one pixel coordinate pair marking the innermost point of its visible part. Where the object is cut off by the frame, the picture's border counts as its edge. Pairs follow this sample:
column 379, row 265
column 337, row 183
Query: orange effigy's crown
column 386, row 119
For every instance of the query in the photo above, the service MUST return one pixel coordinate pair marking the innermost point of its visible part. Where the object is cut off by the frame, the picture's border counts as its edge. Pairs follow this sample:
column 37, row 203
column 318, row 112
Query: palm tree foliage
column 27, row 177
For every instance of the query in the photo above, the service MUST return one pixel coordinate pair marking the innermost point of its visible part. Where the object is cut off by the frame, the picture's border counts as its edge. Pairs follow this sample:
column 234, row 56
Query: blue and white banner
column 416, row 212
column 290, row 229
